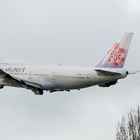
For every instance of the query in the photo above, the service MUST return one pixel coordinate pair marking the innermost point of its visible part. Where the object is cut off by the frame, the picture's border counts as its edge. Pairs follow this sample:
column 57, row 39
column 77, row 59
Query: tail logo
column 116, row 55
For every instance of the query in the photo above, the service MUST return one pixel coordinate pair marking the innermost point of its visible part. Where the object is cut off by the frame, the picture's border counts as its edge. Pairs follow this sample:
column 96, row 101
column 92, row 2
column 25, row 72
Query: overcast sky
column 70, row 32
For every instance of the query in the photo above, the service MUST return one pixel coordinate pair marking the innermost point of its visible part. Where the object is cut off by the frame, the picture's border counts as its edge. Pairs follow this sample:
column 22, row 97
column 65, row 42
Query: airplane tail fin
column 115, row 58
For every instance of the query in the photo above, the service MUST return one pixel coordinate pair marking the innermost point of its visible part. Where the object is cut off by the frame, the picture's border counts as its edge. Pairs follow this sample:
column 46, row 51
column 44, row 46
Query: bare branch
column 129, row 127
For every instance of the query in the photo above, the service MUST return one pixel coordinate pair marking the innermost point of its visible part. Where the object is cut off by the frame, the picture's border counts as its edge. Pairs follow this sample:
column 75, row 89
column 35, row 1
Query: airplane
column 54, row 78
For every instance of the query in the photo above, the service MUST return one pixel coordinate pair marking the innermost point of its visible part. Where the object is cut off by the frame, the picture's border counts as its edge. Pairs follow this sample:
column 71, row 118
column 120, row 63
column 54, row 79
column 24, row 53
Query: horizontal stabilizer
column 133, row 72
column 107, row 73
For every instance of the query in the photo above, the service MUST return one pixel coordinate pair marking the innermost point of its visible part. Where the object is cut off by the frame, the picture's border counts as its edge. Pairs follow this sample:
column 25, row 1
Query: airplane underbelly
column 71, row 82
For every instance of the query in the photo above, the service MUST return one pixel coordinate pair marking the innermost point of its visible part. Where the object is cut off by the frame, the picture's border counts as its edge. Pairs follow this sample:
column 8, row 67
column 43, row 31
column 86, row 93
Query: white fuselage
column 56, row 77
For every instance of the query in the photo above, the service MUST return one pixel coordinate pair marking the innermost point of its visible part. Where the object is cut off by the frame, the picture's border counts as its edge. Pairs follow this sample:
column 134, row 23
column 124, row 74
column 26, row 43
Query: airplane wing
column 133, row 72
column 7, row 78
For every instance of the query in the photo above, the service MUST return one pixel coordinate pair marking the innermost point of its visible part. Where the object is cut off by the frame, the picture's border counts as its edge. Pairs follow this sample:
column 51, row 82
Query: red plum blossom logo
column 116, row 55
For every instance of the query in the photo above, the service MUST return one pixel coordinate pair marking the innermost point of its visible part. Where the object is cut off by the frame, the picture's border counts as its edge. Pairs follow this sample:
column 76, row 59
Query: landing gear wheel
column 38, row 92
column 1, row 86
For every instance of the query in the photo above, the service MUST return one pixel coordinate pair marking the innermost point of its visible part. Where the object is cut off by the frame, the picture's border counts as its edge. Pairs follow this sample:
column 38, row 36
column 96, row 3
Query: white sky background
column 74, row 32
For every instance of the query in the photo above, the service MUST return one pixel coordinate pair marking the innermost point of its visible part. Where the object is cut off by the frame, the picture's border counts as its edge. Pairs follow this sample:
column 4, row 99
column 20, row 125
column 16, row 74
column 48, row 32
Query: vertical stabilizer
column 116, row 56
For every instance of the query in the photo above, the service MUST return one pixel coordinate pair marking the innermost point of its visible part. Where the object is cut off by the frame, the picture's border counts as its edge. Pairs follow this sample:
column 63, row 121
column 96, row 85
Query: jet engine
column 108, row 84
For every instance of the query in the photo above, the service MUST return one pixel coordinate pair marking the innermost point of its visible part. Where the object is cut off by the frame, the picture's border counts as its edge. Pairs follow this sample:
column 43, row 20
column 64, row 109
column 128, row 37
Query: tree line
column 129, row 127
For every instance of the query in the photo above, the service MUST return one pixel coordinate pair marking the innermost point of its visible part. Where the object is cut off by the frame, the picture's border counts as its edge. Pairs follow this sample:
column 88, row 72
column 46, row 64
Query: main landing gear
column 38, row 91
column 1, row 86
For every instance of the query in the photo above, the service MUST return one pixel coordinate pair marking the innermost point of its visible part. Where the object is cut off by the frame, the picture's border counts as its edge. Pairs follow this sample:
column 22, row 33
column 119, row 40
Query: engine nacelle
column 108, row 84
